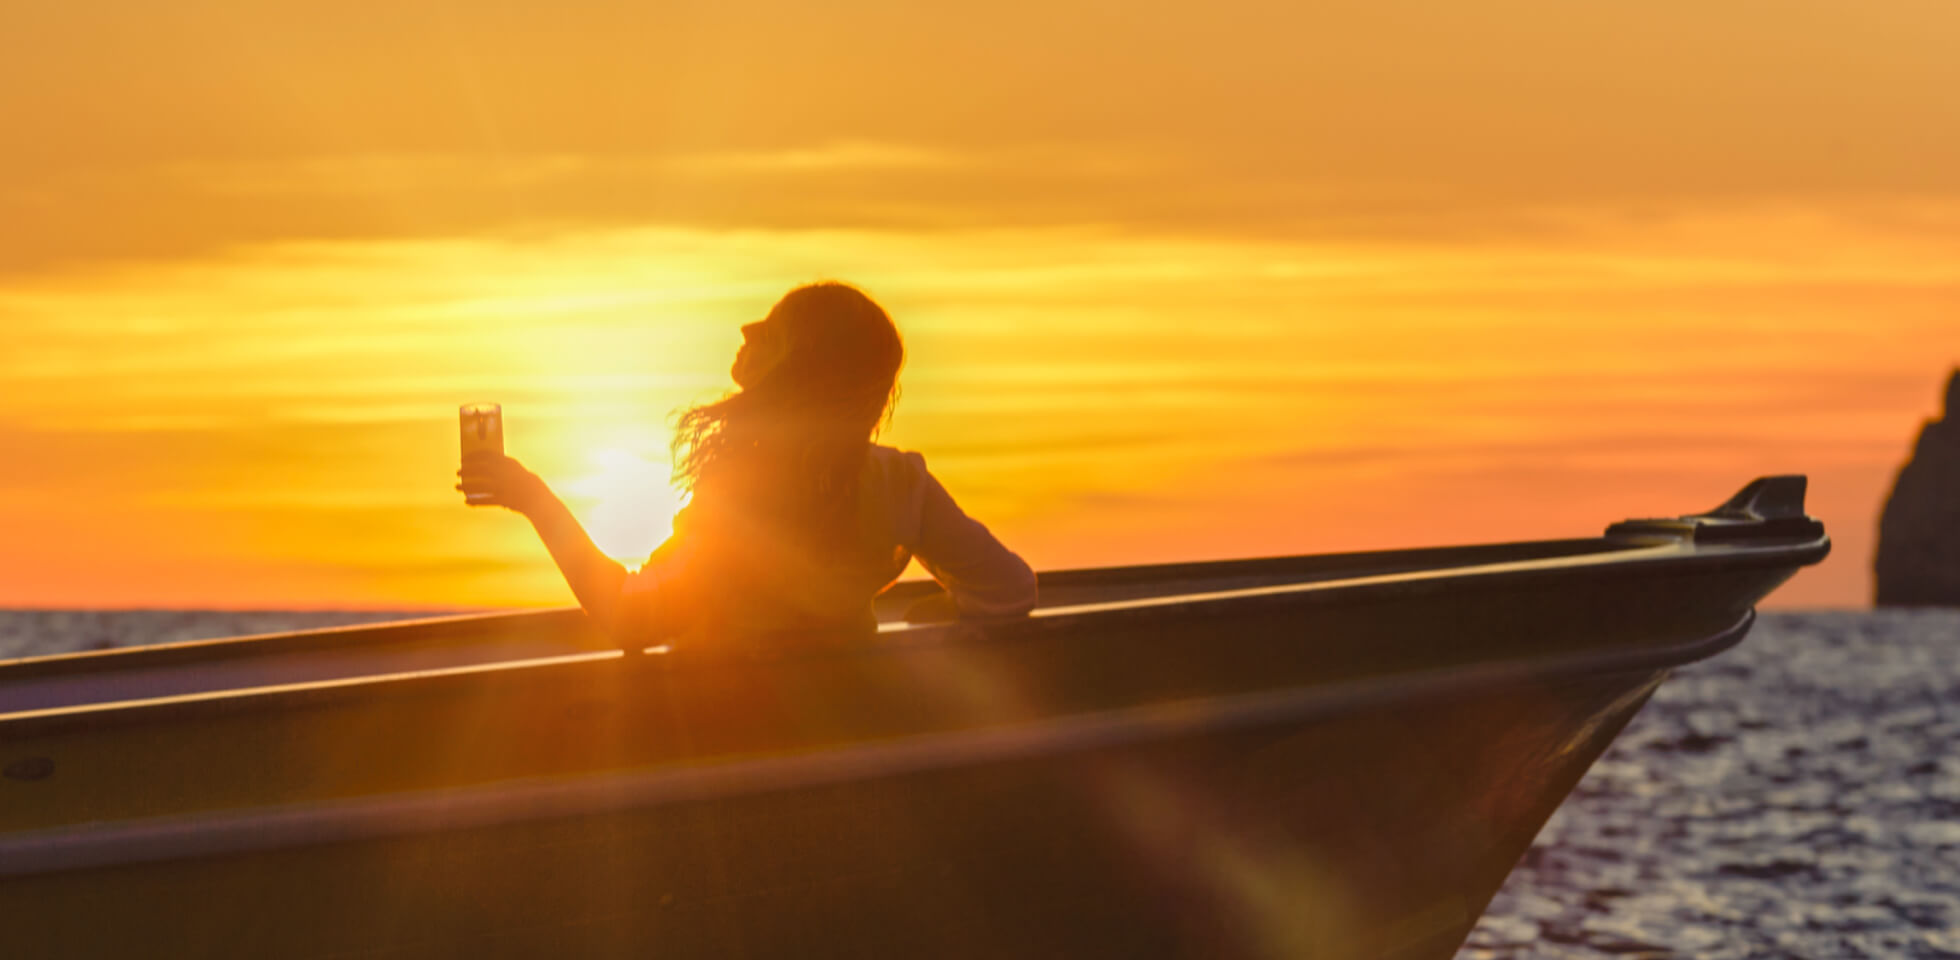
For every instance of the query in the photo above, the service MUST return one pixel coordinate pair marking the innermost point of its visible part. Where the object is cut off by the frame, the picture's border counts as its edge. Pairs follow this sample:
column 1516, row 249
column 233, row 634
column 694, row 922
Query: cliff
column 1918, row 557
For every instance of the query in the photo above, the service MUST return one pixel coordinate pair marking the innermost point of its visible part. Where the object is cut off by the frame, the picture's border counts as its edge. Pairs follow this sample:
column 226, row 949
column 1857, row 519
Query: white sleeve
column 984, row 578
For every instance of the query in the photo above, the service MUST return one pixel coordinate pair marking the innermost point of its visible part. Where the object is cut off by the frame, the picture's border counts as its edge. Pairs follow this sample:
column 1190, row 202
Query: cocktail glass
column 483, row 429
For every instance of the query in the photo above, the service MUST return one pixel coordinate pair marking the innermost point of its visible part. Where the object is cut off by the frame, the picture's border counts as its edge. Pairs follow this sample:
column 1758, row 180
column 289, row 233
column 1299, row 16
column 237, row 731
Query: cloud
column 145, row 130
column 831, row 157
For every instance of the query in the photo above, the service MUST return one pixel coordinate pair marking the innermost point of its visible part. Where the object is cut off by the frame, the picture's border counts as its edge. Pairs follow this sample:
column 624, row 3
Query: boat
column 1336, row 756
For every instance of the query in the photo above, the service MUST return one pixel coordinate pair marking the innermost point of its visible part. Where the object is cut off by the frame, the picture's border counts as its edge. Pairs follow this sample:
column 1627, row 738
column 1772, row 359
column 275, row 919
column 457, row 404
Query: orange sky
column 1194, row 281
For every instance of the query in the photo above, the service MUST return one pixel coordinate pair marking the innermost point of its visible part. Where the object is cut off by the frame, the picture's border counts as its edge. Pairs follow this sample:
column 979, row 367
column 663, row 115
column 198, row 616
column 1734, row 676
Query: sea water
column 1798, row 796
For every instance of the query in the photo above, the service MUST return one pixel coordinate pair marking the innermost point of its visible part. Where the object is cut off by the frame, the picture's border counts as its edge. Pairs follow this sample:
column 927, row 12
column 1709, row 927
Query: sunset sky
column 1178, row 281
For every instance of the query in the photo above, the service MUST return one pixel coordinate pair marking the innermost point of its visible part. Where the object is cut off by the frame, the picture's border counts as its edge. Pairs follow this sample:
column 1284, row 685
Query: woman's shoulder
column 903, row 477
column 891, row 459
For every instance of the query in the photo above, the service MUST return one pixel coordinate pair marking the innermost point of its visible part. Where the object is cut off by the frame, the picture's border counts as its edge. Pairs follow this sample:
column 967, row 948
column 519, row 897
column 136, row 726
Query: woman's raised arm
column 496, row 480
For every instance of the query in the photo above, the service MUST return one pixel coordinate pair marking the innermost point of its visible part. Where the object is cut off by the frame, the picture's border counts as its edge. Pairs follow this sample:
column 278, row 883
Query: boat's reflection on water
column 1326, row 756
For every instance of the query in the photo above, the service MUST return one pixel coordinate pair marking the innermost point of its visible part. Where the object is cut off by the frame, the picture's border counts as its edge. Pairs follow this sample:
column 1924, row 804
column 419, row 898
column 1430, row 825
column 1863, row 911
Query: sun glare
column 632, row 504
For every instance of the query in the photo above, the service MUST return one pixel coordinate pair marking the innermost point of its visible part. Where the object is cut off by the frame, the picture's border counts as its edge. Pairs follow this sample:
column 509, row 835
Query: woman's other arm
column 982, row 576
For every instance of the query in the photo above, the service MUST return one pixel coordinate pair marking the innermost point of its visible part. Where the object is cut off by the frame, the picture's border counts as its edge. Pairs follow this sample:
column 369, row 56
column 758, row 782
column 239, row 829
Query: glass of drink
column 483, row 429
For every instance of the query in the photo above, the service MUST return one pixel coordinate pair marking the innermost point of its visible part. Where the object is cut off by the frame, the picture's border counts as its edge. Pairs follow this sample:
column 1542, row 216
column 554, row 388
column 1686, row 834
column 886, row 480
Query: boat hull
column 1305, row 757
column 1376, row 830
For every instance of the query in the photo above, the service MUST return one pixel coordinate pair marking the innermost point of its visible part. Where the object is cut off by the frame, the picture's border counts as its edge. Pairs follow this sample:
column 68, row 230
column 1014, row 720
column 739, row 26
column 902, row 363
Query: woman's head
column 816, row 377
column 823, row 346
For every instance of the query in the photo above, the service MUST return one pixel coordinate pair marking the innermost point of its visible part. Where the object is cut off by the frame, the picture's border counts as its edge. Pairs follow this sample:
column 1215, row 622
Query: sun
column 633, row 504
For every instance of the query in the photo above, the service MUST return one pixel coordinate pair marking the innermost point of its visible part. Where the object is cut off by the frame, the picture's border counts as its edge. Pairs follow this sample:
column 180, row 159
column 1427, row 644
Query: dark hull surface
column 1307, row 757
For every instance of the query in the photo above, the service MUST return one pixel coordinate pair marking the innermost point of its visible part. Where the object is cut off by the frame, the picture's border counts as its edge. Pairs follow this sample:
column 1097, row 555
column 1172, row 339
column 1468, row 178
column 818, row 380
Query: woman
column 796, row 518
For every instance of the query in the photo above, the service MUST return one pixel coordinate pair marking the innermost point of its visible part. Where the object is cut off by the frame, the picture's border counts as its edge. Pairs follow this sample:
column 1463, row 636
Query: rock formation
column 1918, row 562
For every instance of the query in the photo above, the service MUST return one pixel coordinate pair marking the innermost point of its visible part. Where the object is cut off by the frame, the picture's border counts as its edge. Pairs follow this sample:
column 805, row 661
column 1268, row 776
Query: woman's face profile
column 763, row 347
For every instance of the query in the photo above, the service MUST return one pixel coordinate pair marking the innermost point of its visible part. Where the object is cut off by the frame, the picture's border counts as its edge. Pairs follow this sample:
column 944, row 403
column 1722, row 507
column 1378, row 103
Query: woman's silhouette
column 796, row 518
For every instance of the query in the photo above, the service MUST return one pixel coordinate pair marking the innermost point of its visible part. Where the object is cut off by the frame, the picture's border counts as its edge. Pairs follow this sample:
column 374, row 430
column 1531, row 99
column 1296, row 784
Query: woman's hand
column 494, row 480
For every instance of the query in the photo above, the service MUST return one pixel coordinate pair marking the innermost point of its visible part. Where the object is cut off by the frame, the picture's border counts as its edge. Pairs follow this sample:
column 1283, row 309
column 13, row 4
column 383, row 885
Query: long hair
column 788, row 447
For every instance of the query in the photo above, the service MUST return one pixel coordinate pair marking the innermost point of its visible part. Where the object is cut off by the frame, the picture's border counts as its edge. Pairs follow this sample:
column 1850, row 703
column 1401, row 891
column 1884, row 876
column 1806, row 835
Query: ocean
column 1798, row 796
